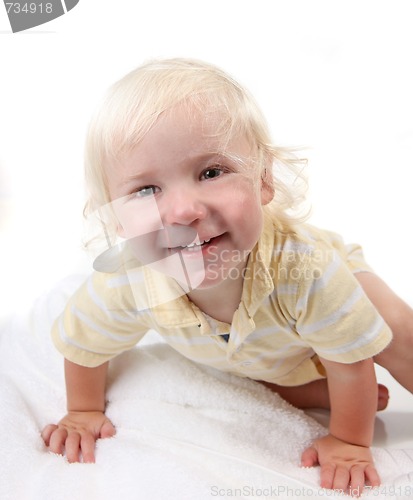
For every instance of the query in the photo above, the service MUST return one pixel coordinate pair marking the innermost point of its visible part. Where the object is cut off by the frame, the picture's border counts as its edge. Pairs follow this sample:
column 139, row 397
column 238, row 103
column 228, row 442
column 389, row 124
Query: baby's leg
column 315, row 394
column 398, row 356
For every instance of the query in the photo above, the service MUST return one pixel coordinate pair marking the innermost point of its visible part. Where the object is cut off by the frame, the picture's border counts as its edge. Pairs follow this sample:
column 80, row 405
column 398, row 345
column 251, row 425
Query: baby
column 181, row 169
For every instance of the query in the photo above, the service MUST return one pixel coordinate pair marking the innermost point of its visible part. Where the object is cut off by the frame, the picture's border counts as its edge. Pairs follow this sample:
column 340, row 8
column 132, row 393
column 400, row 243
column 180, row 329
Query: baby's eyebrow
column 130, row 179
column 229, row 157
column 219, row 156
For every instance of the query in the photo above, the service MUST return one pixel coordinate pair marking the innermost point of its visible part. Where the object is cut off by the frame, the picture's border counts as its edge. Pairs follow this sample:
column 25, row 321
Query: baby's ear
column 267, row 185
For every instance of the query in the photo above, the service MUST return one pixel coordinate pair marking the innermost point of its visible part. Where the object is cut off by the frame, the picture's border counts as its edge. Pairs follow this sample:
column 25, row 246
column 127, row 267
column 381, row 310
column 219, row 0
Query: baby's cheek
column 137, row 217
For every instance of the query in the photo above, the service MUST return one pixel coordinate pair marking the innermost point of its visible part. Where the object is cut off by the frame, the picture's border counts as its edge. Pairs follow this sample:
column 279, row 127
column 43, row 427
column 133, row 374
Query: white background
column 333, row 76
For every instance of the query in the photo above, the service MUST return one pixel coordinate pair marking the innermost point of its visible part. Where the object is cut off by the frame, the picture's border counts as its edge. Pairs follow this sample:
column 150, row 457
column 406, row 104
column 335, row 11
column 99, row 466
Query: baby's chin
column 188, row 273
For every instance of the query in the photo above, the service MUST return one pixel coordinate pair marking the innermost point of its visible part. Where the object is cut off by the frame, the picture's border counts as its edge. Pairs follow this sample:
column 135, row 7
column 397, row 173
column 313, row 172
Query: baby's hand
column 344, row 466
column 77, row 432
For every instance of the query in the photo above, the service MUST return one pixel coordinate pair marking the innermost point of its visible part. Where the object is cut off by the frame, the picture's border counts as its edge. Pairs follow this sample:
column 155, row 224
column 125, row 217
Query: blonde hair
column 134, row 103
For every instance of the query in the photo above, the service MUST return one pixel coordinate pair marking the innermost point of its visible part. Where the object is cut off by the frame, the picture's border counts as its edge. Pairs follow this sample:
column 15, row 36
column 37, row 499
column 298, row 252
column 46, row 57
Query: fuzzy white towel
column 183, row 431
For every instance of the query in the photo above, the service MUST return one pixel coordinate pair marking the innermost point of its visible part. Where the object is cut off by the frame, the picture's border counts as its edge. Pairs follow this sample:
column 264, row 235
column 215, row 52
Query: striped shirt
column 300, row 300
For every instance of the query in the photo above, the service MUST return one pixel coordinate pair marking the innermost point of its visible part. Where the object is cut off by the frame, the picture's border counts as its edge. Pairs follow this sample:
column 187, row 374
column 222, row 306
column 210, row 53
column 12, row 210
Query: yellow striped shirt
column 300, row 300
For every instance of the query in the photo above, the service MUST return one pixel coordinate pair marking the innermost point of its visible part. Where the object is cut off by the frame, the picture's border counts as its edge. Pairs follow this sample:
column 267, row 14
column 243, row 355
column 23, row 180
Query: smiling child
column 180, row 166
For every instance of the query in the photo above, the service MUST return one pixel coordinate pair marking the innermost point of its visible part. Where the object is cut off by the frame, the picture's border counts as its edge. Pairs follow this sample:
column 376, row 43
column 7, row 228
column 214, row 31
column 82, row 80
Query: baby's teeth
column 192, row 245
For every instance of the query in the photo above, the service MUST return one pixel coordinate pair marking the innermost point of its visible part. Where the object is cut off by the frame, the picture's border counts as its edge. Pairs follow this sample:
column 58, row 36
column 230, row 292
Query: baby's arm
column 344, row 454
column 85, row 421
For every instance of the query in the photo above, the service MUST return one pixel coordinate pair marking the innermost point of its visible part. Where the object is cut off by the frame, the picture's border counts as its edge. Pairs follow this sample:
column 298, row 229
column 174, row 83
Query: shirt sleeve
column 333, row 314
column 100, row 321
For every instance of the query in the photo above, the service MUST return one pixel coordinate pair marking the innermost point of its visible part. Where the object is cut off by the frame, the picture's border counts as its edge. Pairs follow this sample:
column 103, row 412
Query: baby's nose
column 183, row 207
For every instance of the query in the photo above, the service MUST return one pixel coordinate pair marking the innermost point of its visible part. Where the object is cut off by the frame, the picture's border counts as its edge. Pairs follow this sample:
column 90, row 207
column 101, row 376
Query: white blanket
column 183, row 431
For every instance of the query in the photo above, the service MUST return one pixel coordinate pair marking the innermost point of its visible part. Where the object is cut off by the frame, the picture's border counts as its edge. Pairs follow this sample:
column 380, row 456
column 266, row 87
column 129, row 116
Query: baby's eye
column 212, row 172
column 146, row 191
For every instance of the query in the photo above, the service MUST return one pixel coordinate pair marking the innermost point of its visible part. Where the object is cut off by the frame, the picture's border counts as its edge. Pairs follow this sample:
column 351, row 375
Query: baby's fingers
column 77, row 442
column 57, row 440
column 372, row 476
column 362, row 476
column 47, row 432
column 351, row 481
column 72, row 445
column 357, row 481
column 309, row 458
column 87, row 446
column 108, row 430
column 334, row 477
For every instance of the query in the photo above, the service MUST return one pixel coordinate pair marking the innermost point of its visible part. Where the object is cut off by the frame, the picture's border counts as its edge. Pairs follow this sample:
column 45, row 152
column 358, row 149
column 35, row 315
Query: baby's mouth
column 194, row 247
column 176, row 237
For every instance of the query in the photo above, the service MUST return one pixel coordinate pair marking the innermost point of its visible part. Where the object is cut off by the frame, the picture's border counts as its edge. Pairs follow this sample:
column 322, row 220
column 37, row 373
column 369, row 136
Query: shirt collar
column 258, row 281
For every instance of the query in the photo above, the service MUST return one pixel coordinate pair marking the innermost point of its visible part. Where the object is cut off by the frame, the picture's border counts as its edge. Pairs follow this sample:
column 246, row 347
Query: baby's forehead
column 211, row 150
column 202, row 132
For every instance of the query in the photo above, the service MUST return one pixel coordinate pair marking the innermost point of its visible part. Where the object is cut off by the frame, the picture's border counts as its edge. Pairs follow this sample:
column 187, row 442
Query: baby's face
column 186, row 209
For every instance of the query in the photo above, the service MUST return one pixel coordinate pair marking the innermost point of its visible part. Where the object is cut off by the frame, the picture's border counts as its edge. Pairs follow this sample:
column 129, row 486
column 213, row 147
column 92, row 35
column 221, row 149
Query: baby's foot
column 384, row 396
